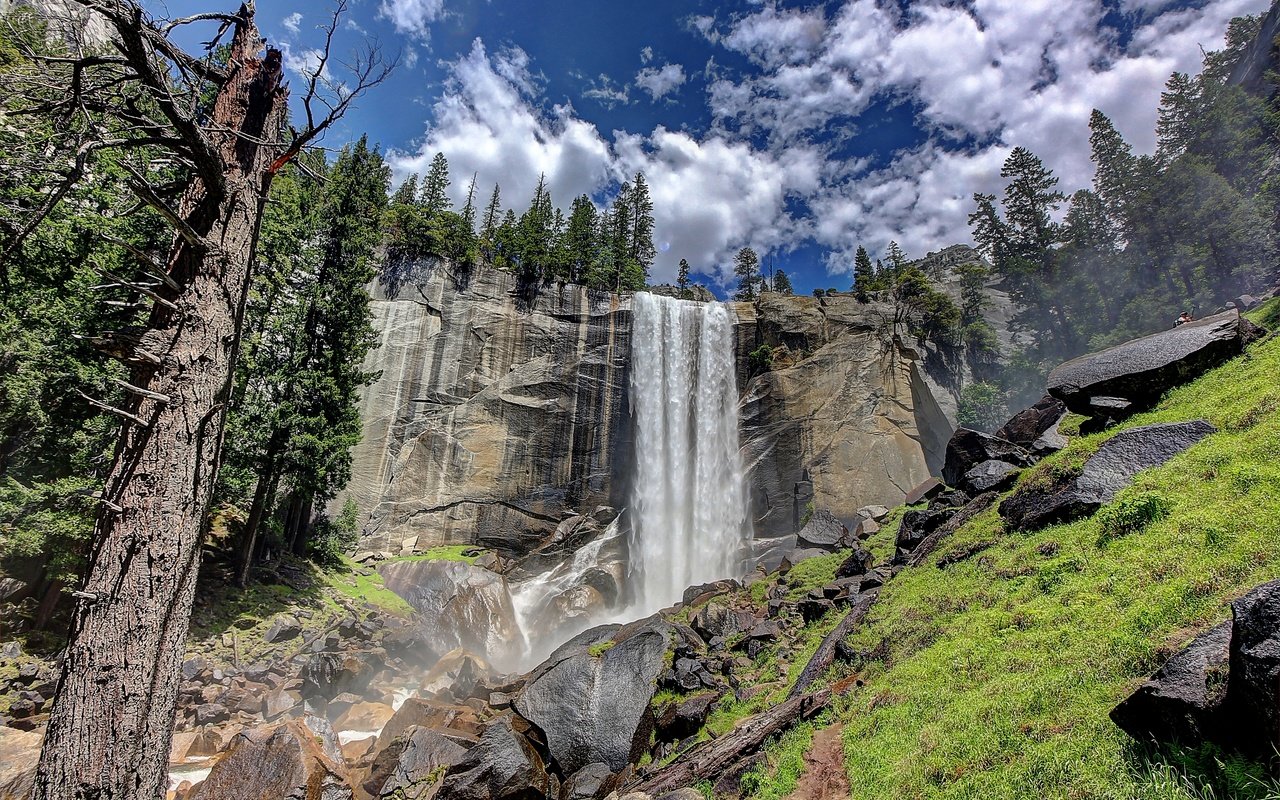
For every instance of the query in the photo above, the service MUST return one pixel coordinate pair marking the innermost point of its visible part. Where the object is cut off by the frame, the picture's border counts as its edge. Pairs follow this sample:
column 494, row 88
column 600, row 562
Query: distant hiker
column 1184, row 319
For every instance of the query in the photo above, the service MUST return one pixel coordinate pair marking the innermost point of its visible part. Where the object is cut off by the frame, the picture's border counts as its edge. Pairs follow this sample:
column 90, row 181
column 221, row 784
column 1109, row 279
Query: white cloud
column 604, row 91
column 661, row 81
column 306, row 63
column 988, row 74
column 711, row 195
column 292, row 22
column 413, row 17
column 646, row 54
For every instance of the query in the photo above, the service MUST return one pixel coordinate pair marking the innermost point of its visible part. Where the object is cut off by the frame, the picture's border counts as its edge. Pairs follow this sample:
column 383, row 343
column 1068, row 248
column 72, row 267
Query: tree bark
column 112, row 720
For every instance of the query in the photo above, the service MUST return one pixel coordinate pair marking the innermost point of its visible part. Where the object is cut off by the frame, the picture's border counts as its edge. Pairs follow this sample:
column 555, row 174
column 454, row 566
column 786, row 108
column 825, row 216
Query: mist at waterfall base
column 687, row 522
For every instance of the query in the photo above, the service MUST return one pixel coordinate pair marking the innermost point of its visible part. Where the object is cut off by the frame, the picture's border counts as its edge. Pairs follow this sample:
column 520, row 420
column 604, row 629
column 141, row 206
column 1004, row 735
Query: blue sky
column 801, row 129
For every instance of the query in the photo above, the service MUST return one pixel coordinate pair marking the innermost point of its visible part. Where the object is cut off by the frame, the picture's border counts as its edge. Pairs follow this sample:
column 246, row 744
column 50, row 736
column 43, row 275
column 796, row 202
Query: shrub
column 981, row 406
column 1130, row 513
column 333, row 537
column 760, row 360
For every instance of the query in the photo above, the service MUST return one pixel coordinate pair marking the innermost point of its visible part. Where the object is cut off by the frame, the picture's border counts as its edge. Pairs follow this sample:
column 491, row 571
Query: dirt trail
column 824, row 777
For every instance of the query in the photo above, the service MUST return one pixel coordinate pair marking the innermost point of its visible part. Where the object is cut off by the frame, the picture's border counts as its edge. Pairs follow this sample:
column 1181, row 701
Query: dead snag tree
column 224, row 125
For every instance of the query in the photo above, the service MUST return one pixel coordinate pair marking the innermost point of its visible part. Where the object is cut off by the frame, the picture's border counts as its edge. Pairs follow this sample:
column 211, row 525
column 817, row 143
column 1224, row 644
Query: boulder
column 284, row 627
column 19, row 752
column 407, row 763
column 592, row 701
column 425, row 712
column 917, row 524
column 1142, row 370
column 592, row 782
column 365, row 716
column 455, row 675
column 824, row 531
column 1107, row 471
column 1179, row 702
column 288, row 760
column 877, row 513
column 969, row 448
column 708, row 590
column 858, row 563
column 926, row 490
column 1028, row 426
column 1253, row 686
column 991, row 476
column 714, row 619
column 680, row 719
column 503, row 766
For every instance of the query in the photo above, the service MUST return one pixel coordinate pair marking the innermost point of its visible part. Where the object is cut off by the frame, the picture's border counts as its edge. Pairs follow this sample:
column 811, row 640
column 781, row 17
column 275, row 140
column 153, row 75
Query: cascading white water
column 688, row 512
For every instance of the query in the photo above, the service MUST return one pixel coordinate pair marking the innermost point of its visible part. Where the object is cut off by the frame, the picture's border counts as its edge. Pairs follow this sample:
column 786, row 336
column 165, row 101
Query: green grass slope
column 993, row 677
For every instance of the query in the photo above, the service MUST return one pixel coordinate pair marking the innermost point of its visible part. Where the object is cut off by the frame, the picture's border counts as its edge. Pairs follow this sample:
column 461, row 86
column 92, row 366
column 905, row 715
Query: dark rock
column 503, row 766
column 1027, row 426
column 1245, row 302
column 1142, row 370
column 594, row 706
column 729, row 782
column 918, row 524
column 679, row 719
column 283, row 628
column 991, row 476
column 824, row 531
column 211, row 714
column 716, row 588
column 1179, row 702
column 280, row 701
column 406, row 763
column 924, row 491
column 1253, row 689
column 288, row 760
column 592, row 782
column 812, row 609
column 799, row 554
column 759, row 637
column 1107, row 471
column 193, row 668
column 858, row 562
column 327, row 675
column 714, row 619
column 969, row 448
column 952, row 498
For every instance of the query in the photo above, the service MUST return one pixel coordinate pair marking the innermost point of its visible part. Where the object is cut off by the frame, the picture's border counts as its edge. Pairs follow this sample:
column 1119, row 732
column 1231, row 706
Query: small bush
column 1130, row 514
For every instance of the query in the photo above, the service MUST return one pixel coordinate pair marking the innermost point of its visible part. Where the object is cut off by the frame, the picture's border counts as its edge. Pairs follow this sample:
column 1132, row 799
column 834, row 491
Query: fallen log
column 825, row 655
column 711, row 759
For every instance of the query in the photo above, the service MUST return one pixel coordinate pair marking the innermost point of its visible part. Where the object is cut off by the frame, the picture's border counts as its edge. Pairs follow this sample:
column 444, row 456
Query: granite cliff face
column 496, row 416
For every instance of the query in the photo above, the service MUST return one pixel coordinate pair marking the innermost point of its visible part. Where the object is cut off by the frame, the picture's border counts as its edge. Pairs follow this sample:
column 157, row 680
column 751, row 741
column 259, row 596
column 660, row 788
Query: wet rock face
column 1107, row 471
column 461, row 606
column 503, row 766
column 1133, row 376
column 494, row 417
column 591, row 699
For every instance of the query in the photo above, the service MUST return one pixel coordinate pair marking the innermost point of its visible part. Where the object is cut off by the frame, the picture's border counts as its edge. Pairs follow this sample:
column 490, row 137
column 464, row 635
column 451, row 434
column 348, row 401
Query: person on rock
column 1184, row 319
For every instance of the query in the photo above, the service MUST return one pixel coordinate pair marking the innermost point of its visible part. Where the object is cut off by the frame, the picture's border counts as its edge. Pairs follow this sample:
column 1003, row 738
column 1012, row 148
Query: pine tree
column 746, row 267
column 407, row 194
column 492, row 215
column 435, row 194
column 864, row 275
column 682, row 280
column 781, row 283
column 469, row 209
column 580, row 239
column 640, row 247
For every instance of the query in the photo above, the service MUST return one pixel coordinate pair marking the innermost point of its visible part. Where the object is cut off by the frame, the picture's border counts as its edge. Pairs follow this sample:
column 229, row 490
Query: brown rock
column 427, row 713
column 283, row 761
column 365, row 717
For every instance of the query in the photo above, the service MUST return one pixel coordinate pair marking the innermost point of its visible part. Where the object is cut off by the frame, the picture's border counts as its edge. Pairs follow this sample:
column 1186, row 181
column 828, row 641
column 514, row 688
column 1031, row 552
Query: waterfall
column 688, row 511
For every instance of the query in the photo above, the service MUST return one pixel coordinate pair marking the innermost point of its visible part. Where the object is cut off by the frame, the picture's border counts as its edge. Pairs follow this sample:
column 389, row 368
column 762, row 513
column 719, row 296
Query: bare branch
column 138, row 390
column 113, row 410
column 151, row 267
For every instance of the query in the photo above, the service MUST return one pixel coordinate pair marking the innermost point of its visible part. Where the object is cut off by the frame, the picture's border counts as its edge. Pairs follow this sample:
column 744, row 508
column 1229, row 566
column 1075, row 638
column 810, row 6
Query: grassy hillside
column 993, row 677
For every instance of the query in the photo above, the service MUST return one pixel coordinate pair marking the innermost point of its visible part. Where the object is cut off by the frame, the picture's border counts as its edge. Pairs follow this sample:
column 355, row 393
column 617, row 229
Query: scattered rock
column 503, row 766
column 824, row 531
column 591, row 782
column 799, row 554
column 858, row 563
column 877, row 513
column 714, row 619
column 1026, row 428
column 968, row 449
column 706, row 591
column 1107, row 471
column 327, row 675
column 917, row 524
column 284, row 627
column 1180, row 701
column 1142, row 370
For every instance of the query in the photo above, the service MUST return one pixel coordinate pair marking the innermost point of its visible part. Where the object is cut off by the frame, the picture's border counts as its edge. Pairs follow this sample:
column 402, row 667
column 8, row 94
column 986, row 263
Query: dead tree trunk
column 112, row 720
